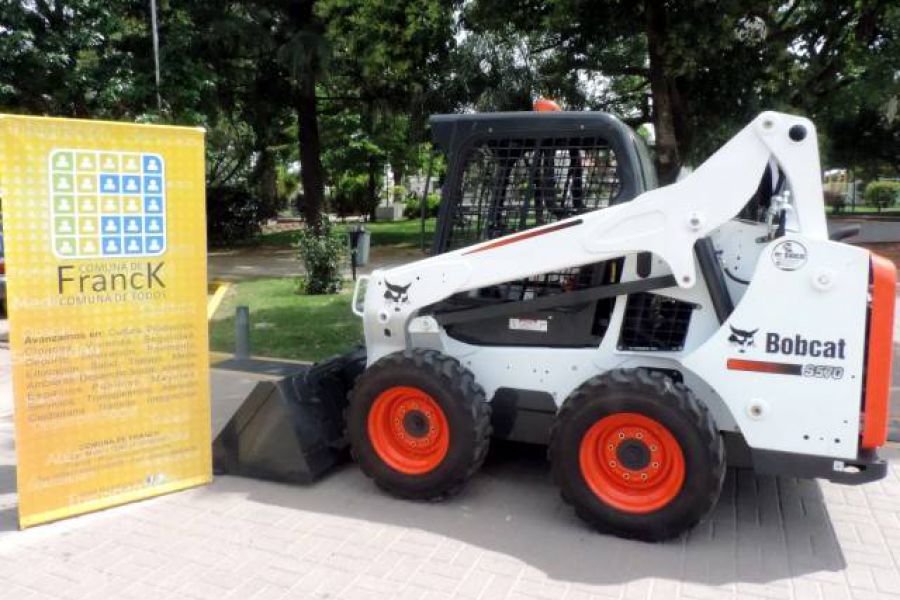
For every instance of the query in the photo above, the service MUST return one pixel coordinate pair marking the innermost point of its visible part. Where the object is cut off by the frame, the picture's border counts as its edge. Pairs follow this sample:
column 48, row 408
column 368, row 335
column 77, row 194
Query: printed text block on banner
column 104, row 232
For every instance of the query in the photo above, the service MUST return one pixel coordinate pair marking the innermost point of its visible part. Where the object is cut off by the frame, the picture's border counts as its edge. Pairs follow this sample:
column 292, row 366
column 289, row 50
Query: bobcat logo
column 742, row 338
column 396, row 294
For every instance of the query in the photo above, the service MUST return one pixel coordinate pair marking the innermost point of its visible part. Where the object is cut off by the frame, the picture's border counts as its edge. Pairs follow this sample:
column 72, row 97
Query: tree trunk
column 372, row 188
column 371, row 164
column 667, row 159
column 311, row 172
column 266, row 177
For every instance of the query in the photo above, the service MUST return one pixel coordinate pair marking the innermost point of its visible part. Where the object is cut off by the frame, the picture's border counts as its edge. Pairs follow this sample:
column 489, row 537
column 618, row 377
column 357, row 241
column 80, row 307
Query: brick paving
column 507, row 536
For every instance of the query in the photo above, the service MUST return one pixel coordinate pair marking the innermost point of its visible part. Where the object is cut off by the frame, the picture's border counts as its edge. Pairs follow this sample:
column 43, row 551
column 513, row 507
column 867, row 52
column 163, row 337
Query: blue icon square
column 112, row 245
column 155, row 244
column 110, row 225
column 131, row 184
column 133, row 245
column 132, row 225
column 153, row 225
column 153, row 185
column 152, row 163
column 109, row 184
column 153, row 204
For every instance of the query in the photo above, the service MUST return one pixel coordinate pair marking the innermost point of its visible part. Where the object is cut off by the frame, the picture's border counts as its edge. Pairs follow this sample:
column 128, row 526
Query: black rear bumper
column 867, row 466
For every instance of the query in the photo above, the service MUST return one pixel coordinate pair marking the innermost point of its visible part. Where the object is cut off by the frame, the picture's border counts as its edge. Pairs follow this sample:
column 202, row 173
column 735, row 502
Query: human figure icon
column 89, row 247
column 111, row 227
column 62, row 162
column 112, row 246
column 133, row 246
column 63, row 204
column 87, row 227
column 63, row 183
column 153, row 205
column 65, row 226
column 132, row 226
column 131, row 206
column 110, row 205
column 65, row 248
column 87, row 205
column 153, row 246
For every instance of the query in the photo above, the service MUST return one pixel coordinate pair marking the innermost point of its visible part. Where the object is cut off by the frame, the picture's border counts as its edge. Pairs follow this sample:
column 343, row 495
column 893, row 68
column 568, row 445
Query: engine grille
column 513, row 184
column 654, row 323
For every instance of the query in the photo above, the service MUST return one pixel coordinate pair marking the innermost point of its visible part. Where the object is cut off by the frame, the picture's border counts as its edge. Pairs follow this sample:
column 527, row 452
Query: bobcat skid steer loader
column 649, row 335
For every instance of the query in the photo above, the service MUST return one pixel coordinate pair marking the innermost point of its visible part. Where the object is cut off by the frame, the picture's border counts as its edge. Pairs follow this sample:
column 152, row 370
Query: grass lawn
column 863, row 209
column 284, row 324
column 394, row 233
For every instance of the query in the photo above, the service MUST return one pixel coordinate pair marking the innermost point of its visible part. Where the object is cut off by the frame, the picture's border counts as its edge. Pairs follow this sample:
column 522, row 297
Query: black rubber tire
column 464, row 404
column 673, row 405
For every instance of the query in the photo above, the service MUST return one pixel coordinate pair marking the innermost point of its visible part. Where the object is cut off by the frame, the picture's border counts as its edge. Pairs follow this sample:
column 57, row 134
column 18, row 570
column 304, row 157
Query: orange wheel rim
column 408, row 430
column 632, row 462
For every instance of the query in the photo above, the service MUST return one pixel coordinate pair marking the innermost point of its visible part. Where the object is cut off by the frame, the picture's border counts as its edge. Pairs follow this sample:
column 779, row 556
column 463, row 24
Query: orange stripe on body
column 523, row 236
column 759, row 366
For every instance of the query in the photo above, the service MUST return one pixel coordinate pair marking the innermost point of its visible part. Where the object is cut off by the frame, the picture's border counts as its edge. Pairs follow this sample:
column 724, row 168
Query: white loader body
column 786, row 369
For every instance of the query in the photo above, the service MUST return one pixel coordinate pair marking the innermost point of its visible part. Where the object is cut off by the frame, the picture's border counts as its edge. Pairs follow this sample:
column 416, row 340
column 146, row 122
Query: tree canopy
column 316, row 101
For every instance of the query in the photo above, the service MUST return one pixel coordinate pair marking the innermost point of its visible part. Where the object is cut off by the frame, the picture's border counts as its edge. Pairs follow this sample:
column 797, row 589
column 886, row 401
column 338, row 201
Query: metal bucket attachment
column 291, row 429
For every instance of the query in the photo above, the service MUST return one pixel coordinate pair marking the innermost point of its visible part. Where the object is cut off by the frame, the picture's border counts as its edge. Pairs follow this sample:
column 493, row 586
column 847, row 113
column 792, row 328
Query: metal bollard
column 242, row 332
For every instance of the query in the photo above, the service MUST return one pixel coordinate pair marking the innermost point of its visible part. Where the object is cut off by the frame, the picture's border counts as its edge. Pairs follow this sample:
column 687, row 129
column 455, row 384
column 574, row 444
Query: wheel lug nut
column 612, row 464
column 610, row 447
column 655, row 465
column 644, row 476
column 652, row 448
column 626, row 476
column 639, row 436
column 621, row 436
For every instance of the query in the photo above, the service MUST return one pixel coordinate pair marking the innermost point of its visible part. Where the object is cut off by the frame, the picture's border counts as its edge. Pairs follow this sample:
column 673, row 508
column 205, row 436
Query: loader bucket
column 291, row 429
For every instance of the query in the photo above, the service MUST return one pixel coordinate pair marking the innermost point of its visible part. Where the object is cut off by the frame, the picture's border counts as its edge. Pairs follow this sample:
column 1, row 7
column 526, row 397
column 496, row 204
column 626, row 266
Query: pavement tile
column 509, row 536
column 473, row 584
column 499, row 586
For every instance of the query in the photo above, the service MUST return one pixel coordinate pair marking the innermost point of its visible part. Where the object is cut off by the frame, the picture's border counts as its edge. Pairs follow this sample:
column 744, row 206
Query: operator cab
column 507, row 172
column 512, row 171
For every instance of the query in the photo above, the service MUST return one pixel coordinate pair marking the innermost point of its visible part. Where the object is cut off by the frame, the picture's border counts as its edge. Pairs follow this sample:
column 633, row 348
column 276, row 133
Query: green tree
column 68, row 59
column 700, row 69
column 388, row 61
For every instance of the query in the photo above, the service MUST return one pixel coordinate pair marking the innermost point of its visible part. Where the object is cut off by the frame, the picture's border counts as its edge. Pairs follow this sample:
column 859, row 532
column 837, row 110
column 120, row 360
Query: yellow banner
column 104, row 229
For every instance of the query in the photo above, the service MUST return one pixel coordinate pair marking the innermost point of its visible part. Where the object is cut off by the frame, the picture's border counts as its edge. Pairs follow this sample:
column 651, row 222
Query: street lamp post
column 155, row 52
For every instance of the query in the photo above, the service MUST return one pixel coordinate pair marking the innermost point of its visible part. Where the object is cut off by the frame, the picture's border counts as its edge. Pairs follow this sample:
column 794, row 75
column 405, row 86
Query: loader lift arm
column 666, row 222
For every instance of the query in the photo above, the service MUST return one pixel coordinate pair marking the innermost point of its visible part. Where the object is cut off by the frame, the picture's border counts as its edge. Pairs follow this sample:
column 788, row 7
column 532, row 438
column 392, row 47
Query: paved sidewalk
column 508, row 536
column 277, row 261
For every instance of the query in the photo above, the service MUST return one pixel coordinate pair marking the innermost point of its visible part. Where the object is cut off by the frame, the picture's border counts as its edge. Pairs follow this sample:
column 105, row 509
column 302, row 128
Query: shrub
column 349, row 195
column 233, row 215
column 399, row 193
column 882, row 194
column 322, row 255
column 413, row 207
